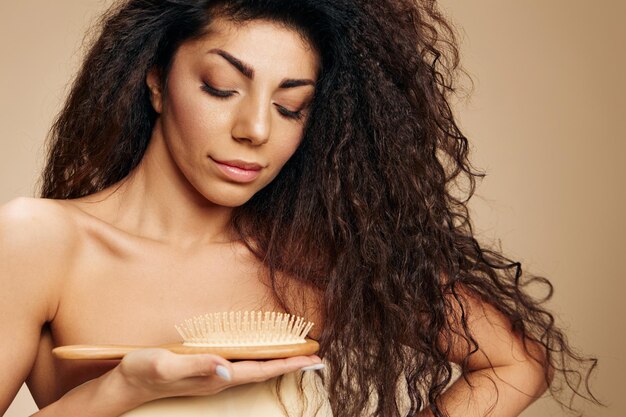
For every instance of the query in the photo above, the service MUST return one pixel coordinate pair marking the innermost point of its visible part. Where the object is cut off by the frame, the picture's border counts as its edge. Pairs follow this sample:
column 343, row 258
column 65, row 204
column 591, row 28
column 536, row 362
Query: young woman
column 288, row 155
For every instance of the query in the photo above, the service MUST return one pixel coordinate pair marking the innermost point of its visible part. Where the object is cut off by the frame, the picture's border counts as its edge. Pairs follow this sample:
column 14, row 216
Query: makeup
column 239, row 171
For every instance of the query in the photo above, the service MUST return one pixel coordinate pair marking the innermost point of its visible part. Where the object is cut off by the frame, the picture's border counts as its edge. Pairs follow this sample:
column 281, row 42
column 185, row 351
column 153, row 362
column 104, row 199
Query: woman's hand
column 149, row 374
column 158, row 373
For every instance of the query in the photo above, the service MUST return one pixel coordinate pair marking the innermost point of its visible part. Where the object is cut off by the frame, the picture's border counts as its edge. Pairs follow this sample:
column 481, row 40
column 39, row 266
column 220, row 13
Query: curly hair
column 365, row 210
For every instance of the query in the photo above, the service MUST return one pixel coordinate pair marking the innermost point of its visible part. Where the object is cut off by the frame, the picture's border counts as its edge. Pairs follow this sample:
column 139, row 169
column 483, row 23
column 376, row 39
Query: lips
column 238, row 170
column 249, row 166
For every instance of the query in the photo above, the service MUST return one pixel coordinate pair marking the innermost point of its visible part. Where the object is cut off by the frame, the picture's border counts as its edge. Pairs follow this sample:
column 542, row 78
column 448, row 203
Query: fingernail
column 223, row 372
column 314, row 367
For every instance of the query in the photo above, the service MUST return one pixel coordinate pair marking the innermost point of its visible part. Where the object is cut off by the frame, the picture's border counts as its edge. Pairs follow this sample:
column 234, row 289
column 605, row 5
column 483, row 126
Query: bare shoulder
column 37, row 246
column 38, row 238
column 35, row 223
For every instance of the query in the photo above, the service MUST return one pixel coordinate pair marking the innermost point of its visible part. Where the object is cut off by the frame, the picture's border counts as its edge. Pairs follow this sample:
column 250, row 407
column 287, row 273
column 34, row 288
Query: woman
column 284, row 155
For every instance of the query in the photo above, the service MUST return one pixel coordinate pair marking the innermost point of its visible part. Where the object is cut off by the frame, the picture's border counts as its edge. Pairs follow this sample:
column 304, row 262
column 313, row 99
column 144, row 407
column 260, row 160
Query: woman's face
column 235, row 106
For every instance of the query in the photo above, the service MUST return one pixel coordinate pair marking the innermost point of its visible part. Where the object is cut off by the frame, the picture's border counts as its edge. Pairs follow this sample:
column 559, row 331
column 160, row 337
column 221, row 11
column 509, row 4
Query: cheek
column 192, row 122
column 286, row 148
column 282, row 151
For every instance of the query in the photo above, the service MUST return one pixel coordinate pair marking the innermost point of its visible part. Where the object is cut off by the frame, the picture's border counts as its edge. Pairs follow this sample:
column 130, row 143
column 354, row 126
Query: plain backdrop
column 545, row 120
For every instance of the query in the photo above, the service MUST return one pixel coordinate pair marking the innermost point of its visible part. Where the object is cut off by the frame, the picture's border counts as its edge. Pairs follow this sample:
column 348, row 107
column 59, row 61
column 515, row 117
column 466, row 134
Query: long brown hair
column 364, row 211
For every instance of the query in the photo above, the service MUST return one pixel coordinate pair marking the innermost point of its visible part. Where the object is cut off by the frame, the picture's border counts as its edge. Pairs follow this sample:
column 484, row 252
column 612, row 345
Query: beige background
column 546, row 120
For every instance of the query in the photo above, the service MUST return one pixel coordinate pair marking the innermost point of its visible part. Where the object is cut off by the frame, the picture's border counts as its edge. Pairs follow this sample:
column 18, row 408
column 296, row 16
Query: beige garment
column 257, row 399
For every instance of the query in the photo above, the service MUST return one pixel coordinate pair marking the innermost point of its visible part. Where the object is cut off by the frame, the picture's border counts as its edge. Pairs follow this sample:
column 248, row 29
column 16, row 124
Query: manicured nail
column 223, row 372
column 315, row 367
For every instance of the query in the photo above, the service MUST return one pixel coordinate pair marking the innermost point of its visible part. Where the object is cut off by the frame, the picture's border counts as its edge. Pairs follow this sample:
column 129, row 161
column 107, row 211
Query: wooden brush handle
column 98, row 352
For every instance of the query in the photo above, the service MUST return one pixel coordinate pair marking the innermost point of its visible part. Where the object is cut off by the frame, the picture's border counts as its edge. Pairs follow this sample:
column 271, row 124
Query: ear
column 153, row 81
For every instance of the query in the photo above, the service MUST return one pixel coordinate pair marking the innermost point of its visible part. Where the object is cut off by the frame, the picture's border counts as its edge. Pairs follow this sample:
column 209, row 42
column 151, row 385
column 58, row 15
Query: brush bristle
column 244, row 328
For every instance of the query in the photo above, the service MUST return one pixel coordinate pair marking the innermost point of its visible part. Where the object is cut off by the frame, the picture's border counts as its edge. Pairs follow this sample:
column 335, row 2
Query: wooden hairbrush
column 232, row 335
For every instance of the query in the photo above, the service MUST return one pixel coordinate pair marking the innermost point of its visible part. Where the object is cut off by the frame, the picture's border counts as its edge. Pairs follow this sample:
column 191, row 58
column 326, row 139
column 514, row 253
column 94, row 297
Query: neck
column 156, row 201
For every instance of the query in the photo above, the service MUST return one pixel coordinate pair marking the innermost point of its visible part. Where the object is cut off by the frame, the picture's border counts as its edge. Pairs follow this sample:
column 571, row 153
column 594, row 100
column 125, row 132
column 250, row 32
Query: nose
column 252, row 122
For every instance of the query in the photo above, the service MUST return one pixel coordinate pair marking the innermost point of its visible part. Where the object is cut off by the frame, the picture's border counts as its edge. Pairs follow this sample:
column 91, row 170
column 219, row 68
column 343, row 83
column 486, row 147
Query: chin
column 229, row 199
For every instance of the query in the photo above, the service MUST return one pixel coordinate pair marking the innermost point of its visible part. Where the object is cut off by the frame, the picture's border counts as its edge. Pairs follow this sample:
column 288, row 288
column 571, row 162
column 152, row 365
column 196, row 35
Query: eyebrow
column 248, row 71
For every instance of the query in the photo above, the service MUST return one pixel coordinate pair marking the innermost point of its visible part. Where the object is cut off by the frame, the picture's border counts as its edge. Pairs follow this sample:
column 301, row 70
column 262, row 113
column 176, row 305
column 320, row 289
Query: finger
column 257, row 371
column 185, row 366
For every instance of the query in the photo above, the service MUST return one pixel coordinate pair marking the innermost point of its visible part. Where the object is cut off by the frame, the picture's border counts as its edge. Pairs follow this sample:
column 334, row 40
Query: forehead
column 267, row 46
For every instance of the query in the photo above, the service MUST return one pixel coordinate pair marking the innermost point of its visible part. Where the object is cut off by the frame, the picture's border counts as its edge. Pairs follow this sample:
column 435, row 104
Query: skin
column 126, row 264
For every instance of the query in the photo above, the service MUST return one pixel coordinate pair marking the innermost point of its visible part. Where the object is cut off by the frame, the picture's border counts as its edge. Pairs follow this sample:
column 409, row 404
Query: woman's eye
column 296, row 115
column 215, row 92
column 288, row 114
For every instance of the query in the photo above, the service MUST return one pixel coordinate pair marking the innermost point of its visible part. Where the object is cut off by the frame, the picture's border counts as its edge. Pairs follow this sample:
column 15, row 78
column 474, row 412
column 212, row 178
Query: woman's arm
column 106, row 396
column 149, row 374
column 34, row 251
column 518, row 379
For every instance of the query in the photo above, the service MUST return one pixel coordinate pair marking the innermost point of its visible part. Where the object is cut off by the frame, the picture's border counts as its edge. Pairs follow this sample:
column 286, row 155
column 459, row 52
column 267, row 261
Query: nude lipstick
column 239, row 171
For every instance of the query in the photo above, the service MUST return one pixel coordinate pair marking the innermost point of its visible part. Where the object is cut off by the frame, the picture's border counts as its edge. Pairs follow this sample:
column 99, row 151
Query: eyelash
column 223, row 95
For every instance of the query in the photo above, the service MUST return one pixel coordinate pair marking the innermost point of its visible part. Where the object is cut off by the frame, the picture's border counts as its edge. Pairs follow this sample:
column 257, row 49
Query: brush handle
column 98, row 352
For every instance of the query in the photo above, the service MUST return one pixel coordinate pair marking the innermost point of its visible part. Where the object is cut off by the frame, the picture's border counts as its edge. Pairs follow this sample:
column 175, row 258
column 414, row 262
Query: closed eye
column 217, row 93
column 297, row 115
column 224, row 94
